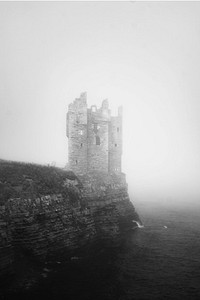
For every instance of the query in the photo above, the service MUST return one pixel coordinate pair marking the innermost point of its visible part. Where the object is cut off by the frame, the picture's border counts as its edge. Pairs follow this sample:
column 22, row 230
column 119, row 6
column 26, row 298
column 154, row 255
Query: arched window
column 95, row 127
column 97, row 140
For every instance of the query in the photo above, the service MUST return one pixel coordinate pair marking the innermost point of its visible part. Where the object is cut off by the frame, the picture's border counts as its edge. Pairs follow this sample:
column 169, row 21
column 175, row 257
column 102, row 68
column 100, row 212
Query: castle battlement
column 94, row 137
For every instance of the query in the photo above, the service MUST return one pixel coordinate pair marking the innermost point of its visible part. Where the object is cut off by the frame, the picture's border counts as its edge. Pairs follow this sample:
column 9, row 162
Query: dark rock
column 90, row 209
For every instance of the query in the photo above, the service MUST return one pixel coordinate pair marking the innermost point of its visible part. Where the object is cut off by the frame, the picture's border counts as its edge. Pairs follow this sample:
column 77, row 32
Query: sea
column 159, row 260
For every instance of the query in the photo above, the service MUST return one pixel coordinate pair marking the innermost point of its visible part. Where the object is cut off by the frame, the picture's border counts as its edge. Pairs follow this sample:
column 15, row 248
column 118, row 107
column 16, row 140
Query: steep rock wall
column 6, row 248
column 92, row 208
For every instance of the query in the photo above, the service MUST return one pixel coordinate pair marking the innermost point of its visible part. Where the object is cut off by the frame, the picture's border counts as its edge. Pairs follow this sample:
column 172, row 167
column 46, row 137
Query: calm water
column 162, row 260
column 159, row 261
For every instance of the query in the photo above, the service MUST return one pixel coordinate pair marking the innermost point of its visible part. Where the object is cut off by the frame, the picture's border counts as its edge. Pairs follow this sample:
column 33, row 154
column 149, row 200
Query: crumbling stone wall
column 77, row 134
column 115, row 143
column 94, row 137
column 97, row 157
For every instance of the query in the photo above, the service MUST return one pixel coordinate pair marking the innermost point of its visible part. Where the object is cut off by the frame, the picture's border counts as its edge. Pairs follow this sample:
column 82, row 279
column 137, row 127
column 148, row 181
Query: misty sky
column 142, row 55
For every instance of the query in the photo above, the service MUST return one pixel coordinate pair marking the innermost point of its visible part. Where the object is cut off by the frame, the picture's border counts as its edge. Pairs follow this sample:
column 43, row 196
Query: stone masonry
column 94, row 137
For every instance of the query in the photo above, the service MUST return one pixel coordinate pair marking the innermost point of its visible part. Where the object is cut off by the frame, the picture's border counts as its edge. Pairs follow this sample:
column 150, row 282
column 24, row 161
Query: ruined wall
column 98, row 139
column 77, row 134
column 115, row 143
column 95, row 138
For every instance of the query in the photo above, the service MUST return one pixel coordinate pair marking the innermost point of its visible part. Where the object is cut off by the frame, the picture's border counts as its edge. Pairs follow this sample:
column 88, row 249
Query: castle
column 94, row 137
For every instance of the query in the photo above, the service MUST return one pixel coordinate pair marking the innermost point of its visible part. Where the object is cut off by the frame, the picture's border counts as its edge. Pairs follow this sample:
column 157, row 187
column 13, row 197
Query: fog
column 142, row 55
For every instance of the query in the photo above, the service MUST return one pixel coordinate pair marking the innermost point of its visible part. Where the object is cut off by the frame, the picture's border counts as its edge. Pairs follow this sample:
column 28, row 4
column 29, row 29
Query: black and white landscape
column 132, row 233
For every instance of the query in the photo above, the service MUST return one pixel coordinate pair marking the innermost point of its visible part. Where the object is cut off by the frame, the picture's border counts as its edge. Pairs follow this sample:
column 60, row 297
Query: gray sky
column 143, row 55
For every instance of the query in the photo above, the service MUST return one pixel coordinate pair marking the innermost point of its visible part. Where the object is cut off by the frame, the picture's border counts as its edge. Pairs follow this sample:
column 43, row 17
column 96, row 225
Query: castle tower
column 98, row 124
column 77, row 134
column 94, row 137
column 115, row 143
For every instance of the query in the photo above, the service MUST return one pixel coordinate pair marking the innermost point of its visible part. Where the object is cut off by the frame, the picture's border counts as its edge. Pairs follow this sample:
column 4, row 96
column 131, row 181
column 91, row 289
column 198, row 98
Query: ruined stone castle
column 94, row 137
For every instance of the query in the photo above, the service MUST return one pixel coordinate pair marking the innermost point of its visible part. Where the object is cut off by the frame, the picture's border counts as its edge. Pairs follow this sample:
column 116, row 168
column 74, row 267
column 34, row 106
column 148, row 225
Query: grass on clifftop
column 19, row 179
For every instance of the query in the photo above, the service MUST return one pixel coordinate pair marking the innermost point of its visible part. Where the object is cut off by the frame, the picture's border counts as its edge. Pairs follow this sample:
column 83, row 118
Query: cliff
column 47, row 212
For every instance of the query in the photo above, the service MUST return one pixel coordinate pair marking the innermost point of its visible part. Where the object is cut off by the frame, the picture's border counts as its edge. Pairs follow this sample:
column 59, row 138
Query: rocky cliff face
column 90, row 209
column 6, row 247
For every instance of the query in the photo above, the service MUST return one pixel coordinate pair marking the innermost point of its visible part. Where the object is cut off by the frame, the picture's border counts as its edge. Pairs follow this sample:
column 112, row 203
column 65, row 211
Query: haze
column 142, row 55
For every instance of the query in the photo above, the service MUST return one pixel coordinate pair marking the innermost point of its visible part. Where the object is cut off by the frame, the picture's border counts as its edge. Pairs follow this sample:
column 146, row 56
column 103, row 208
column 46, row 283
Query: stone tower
column 94, row 137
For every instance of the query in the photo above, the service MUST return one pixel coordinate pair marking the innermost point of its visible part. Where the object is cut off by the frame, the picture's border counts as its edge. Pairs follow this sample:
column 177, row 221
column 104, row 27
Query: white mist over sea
column 141, row 55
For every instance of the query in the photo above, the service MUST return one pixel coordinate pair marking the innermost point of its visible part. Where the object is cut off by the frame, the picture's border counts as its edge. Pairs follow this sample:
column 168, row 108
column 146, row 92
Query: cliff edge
column 46, row 212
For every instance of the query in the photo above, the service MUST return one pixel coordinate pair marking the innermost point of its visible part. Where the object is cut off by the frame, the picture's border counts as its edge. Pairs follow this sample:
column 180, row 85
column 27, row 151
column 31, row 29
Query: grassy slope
column 30, row 180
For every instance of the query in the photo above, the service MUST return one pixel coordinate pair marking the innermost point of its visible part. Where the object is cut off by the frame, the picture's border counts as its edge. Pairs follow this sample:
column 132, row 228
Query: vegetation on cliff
column 18, row 179
column 47, row 213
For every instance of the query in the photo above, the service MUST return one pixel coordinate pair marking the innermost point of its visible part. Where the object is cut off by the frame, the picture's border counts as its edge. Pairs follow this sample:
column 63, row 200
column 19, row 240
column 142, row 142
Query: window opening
column 115, row 145
column 97, row 140
column 76, row 162
column 117, row 129
column 95, row 127
column 94, row 109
